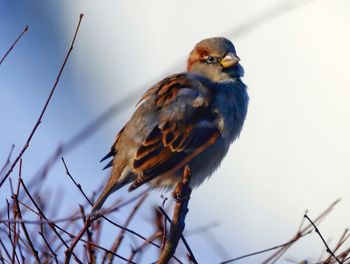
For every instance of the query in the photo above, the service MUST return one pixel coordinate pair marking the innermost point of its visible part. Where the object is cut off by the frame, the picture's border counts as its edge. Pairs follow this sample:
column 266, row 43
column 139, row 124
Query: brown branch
column 134, row 252
column 182, row 195
column 26, row 145
column 190, row 252
column 120, row 238
column 83, row 230
column 88, row 249
column 30, row 243
column 15, row 213
column 9, row 233
column 324, row 241
column 53, row 226
column 78, row 237
column 106, row 218
column 93, row 244
column 17, row 209
column 14, row 44
column 302, row 231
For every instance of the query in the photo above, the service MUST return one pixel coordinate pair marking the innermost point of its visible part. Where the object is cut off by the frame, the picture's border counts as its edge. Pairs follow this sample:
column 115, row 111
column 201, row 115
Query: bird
column 187, row 119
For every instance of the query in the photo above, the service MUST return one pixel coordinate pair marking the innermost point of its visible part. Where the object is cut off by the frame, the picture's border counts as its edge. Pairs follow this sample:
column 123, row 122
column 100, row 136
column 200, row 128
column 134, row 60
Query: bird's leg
column 183, row 190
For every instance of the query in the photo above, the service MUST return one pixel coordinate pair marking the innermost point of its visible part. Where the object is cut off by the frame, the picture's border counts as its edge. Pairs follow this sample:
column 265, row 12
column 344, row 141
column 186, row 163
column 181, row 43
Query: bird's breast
column 231, row 102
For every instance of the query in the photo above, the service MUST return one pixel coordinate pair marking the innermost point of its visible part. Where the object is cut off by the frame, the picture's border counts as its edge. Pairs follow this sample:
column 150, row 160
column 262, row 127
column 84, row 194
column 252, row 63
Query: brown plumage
column 188, row 118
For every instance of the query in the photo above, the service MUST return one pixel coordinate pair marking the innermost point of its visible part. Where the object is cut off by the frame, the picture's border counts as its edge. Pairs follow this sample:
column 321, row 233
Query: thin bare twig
column 76, row 184
column 38, row 122
column 89, row 250
column 302, row 231
column 19, row 213
column 120, row 238
column 30, row 243
column 341, row 241
column 14, row 44
column 155, row 236
column 7, row 162
column 109, row 220
column 53, row 226
column 324, row 241
column 48, row 246
column 78, row 237
column 93, row 244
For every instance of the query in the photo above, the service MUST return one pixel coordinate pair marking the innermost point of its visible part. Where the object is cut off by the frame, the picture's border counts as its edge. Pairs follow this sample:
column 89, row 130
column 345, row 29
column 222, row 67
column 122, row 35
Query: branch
column 48, row 246
column 302, row 231
column 26, row 145
column 121, row 235
column 109, row 220
column 324, row 242
column 19, row 213
column 7, row 162
column 53, row 226
column 182, row 195
column 78, row 237
column 14, row 43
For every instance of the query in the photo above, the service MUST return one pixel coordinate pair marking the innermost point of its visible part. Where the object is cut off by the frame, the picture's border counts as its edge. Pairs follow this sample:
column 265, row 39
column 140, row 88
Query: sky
column 292, row 155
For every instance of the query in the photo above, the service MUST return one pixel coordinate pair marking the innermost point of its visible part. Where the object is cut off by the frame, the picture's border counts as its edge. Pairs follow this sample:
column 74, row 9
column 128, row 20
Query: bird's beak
column 229, row 60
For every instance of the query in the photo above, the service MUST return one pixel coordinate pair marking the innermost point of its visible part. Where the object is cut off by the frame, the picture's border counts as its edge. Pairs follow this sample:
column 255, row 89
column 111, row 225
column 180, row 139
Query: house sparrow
column 189, row 118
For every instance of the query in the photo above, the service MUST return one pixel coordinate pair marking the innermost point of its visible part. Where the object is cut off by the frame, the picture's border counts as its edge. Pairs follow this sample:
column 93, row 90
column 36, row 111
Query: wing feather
column 187, row 126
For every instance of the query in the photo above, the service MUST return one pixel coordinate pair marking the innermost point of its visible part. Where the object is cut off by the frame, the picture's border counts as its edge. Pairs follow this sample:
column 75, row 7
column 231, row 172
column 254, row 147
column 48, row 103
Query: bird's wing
column 187, row 125
column 113, row 151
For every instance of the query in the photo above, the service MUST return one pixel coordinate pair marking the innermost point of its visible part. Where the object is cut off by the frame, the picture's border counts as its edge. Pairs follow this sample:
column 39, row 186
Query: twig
column 19, row 213
column 26, row 145
column 324, row 241
column 88, row 248
column 120, row 238
column 14, row 43
column 5, row 249
column 156, row 235
column 31, row 245
column 78, row 237
column 76, row 184
column 48, row 246
column 112, row 222
column 14, row 255
column 53, row 226
column 341, row 241
column 302, row 231
column 107, row 219
column 182, row 195
column 190, row 252
column 7, row 162
column 93, row 244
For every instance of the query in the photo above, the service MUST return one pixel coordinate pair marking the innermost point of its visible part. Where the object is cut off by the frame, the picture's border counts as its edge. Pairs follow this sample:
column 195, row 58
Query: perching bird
column 189, row 118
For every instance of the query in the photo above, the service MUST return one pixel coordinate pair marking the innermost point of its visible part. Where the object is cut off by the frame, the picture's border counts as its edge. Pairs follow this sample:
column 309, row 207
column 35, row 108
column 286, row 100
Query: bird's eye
column 210, row 60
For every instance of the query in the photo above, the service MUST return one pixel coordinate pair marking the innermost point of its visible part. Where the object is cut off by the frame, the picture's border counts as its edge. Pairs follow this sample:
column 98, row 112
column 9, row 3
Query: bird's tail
column 107, row 191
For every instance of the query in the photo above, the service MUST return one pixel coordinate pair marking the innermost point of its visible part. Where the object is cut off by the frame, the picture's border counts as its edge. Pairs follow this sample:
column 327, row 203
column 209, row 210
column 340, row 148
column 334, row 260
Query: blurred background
column 293, row 153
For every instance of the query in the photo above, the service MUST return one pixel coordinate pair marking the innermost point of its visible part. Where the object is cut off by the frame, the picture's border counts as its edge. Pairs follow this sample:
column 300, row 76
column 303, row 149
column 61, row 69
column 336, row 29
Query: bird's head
column 216, row 59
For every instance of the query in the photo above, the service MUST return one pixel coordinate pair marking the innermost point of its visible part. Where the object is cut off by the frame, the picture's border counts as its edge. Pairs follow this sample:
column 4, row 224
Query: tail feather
column 108, row 190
